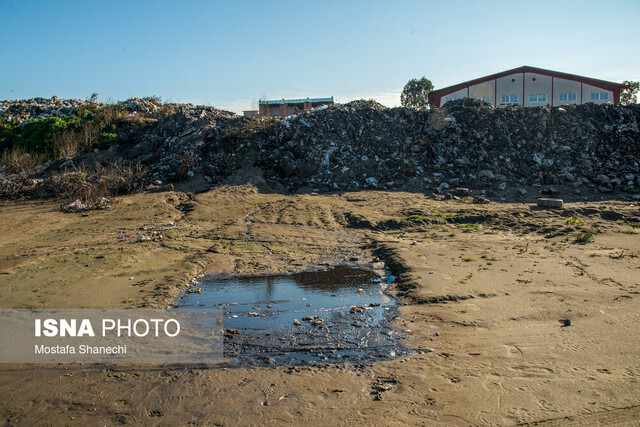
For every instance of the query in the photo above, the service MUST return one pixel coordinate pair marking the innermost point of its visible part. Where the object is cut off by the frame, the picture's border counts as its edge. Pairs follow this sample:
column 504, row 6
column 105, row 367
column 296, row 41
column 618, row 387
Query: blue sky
column 230, row 54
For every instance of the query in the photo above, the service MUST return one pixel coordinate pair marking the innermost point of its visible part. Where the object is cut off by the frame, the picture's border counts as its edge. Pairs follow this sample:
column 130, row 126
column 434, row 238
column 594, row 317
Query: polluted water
column 341, row 314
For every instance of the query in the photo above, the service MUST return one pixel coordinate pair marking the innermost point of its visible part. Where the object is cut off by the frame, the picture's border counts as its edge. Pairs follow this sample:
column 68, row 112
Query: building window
column 599, row 96
column 509, row 99
column 537, row 98
column 484, row 98
column 565, row 97
column 450, row 98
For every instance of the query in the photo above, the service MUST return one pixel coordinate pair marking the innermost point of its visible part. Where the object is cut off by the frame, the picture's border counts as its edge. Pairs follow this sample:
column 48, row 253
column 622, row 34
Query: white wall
column 565, row 86
column 459, row 94
column 588, row 89
column 509, row 85
column 483, row 89
column 536, row 84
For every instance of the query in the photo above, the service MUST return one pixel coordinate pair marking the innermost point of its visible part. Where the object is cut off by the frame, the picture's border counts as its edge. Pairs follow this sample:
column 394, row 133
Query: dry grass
column 18, row 160
column 14, row 187
column 186, row 162
column 91, row 184
column 108, row 117
column 71, row 142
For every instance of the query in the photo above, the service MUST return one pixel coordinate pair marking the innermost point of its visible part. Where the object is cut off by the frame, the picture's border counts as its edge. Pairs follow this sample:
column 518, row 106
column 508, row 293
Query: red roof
column 604, row 84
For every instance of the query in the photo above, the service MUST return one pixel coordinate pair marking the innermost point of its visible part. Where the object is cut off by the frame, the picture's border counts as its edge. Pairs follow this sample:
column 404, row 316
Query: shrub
column 108, row 138
column 91, row 184
column 17, row 161
column 71, row 142
column 67, row 144
column 16, row 186
column 584, row 237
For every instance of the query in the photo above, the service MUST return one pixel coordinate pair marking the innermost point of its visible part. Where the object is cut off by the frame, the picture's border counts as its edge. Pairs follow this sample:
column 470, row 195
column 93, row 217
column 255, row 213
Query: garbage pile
column 146, row 107
column 173, row 147
column 38, row 108
column 467, row 143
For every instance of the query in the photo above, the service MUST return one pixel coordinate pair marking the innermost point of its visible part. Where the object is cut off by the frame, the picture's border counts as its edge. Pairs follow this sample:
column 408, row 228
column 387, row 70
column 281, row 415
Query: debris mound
column 466, row 148
column 465, row 144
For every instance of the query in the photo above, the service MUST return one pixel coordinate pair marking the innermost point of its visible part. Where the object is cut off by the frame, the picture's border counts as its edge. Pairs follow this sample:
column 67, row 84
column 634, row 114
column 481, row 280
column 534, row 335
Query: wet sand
column 485, row 291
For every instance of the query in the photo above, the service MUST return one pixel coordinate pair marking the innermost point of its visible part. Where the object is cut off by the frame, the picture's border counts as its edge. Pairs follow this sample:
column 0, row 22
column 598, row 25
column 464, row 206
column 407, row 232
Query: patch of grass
column 462, row 281
column 467, row 259
column 594, row 254
column 524, row 281
column 35, row 135
column 484, row 256
column 633, row 224
column 630, row 231
column 66, row 136
column 584, row 237
column 573, row 221
column 452, row 234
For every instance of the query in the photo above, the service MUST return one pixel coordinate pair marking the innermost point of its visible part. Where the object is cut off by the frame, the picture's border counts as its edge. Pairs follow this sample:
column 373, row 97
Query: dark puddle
column 337, row 315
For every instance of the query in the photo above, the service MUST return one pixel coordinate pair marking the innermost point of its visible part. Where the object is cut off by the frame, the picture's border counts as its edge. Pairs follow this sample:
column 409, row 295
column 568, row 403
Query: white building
column 530, row 86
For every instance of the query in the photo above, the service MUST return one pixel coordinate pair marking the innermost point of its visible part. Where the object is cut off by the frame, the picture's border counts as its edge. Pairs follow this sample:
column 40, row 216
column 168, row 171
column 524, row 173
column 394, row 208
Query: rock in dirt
column 550, row 203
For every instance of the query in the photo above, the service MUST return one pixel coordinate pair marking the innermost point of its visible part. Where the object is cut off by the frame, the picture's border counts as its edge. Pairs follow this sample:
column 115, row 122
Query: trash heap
column 173, row 147
column 467, row 143
column 147, row 107
column 41, row 108
column 38, row 108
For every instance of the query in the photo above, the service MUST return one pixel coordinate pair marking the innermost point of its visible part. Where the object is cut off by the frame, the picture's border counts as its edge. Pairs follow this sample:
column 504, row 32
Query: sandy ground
column 483, row 289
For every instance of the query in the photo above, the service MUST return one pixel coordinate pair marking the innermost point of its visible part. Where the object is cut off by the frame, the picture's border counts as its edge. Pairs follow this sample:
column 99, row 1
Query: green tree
column 630, row 95
column 416, row 93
